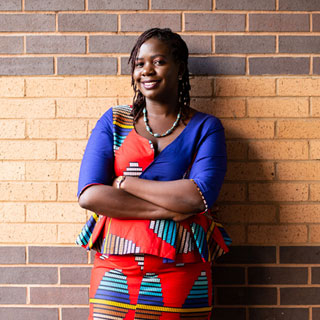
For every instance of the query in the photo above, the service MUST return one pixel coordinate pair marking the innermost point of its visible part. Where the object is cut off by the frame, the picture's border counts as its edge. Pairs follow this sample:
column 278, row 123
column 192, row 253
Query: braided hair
column 180, row 53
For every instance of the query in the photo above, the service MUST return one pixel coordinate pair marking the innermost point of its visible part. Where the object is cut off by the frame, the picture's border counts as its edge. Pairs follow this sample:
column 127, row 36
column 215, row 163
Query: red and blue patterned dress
column 198, row 153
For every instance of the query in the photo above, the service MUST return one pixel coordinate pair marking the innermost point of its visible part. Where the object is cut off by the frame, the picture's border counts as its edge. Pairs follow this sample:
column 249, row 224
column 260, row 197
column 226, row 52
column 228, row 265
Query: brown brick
column 12, row 129
column 246, row 296
column 11, row 150
column 87, row 65
column 278, row 191
column 249, row 255
column 279, row 313
column 300, row 254
column 291, row 129
column 27, row 22
column 282, row 65
column 316, row 22
column 232, row 192
column 29, row 313
column 315, row 107
column 198, row 44
column 299, row 296
column 75, row 313
column 307, row 213
column 87, row 22
column 205, row 5
column 237, row 150
column 11, row 45
column 299, row 87
column 299, row 44
column 118, row 44
column 279, row 22
column 316, row 65
column 245, row 5
column 284, row 150
column 296, row 5
column 125, row 66
column 118, row 5
column 298, row 170
column 250, row 171
column 13, row 295
column 237, row 233
column 12, row 255
column 315, row 192
column 314, row 233
column 228, row 313
column 278, row 107
column 248, row 129
column 201, row 87
column 79, row 275
column 222, row 108
column 315, row 274
column 245, row 44
column 12, row 5
column 266, row 234
column 55, row 44
column 240, row 87
column 247, row 213
column 28, row 275
column 214, row 22
column 54, row 5
column 277, row 275
column 228, row 275
column 57, row 255
column 217, row 65
column 26, row 66
column 60, row 296
column 144, row 21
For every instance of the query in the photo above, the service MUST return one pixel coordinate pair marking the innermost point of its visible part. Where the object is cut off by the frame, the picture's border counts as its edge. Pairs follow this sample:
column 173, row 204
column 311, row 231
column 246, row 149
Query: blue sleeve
column 210, row 163
column 97, row 166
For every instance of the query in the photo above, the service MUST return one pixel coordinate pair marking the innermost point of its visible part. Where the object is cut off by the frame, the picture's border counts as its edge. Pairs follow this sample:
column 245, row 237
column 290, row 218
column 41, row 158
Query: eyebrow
column 152, row 57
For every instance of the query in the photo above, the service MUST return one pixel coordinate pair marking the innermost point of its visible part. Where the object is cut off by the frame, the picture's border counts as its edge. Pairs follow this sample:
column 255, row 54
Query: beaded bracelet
column 203, row 199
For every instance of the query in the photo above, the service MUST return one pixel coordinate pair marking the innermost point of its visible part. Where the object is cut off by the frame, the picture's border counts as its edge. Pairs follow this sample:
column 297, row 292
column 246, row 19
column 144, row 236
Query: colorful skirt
column 149, row 287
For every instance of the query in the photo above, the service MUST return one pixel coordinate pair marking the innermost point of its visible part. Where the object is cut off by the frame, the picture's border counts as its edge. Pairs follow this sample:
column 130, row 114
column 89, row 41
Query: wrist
column 119, row 182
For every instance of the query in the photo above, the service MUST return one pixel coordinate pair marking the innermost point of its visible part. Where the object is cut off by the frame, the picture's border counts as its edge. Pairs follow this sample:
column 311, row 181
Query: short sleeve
column 97, row 166
column 210, row 163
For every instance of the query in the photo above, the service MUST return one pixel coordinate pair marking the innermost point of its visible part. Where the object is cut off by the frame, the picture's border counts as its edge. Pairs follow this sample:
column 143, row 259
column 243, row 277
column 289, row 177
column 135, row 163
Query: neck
column 162, row 109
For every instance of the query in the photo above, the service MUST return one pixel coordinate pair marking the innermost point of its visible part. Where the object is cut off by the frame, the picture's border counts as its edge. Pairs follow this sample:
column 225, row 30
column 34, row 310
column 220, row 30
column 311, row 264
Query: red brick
column 279, row 22
column 301, row 213
column 315, row 192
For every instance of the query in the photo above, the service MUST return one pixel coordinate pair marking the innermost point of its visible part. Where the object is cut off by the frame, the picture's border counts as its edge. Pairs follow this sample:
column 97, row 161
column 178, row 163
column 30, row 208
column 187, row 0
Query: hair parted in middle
column 180, row 53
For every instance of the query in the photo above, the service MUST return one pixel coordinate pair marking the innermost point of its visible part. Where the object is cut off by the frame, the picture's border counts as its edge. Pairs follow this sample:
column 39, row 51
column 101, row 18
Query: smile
column 150, row 84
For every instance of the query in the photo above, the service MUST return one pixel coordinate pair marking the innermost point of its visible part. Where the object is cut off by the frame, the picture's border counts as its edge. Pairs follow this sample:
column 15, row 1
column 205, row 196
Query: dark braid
column 180, row 53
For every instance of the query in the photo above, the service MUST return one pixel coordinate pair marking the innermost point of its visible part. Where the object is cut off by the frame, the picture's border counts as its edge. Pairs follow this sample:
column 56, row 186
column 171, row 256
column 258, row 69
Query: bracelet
column 203, row 199
column 119, row 181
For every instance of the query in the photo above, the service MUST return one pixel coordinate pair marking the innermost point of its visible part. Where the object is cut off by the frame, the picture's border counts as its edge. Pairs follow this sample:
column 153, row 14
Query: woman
column 151, row 172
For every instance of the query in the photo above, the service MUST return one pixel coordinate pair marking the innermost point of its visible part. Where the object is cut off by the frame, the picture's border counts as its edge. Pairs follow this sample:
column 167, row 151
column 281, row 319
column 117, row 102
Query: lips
column 150, row 84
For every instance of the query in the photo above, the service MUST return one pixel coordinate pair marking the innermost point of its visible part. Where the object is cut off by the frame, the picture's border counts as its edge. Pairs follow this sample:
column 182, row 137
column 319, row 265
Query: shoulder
column 206, row 122
column 115, row 113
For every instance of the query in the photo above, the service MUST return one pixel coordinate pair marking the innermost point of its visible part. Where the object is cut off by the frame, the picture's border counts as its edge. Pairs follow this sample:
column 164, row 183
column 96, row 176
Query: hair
column 180, row 53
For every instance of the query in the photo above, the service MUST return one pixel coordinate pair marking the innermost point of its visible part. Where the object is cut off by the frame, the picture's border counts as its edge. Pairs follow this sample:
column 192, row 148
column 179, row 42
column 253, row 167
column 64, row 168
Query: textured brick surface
column 54, row 5
column 299, row 87
column 27, row 22
column 304, row 5
column 28, row 275
column 15, row 295
column 86, row 65
column 55, row 44
column 80, row 275
column 118, row 5
column 111, row 43
column 246, row 296
column 29, row 313
column 12, row 129
column 214, row 22
column 228, row 275
column 60, row 296
column 298, row 44
column 11, row 45
column 277, row 275
column 316, row 22
column 300, row 254
column 57, row 255
column 12, row 212
column 26, row 66
column 298, row 171
column 245, row 44
column 250, row 171
column 142, row 22
column 232, row 192
column 315, row 275
column 279, row 22
column 229, row 313
column 181, row 5
column 299, row 129
column 198, row 44
column 12, row 5
column 299, row 296
column 245, row 5
column 315, row 192
column 279, row 313
column 87, row 22
column 283, row 65
column 217, row 65
column 75, row 313
column 12, row 255
column 316, row 65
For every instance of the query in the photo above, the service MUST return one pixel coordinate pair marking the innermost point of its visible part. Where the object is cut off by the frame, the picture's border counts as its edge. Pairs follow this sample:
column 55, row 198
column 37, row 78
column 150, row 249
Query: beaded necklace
column 158, row 135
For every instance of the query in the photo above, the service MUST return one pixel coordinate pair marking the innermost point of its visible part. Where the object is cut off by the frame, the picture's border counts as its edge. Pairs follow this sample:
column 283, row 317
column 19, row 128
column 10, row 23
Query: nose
column 148, row 69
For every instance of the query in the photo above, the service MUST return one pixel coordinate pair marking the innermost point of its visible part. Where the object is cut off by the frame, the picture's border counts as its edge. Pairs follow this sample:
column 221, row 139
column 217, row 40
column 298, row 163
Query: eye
column 159, row 62
column 138, row 64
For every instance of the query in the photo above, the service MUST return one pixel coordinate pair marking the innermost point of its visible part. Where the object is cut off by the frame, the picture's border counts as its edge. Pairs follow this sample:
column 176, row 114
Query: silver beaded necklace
column 158, row 135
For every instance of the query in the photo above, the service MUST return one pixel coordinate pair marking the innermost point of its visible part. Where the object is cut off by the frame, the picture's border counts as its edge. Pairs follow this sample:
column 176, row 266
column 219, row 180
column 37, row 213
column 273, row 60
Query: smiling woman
column 151, row 171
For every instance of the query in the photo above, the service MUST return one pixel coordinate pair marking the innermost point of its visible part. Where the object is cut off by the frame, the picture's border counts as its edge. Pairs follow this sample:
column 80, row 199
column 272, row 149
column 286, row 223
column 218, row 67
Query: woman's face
column 156, row 72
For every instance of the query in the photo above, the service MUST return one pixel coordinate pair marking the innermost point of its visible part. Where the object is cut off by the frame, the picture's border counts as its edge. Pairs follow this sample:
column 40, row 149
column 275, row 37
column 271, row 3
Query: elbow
column 85, row 200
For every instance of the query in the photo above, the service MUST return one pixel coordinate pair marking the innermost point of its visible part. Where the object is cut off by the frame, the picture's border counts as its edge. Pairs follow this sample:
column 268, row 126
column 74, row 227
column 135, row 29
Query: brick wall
column 254, row 64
